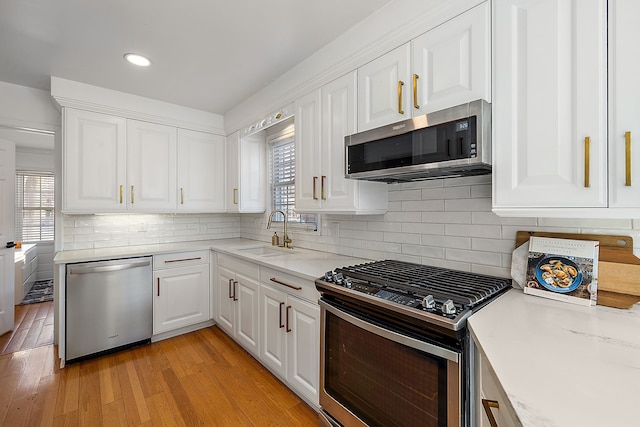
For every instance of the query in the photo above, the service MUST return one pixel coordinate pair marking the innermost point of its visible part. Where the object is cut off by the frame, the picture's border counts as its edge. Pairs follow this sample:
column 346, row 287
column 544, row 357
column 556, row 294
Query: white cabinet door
column 338, row 119
column 151, row 166
column 273, row 339
column 384, row 89
column 201, row 172
column 247, row 313
column 181, row 297
column 246, row 186
column 225, row 300
column 307, row 146
column 452, row 63
column 233, row 172
column 624, row 107
column 302, row 324
column 94, row 162
column 549, row 104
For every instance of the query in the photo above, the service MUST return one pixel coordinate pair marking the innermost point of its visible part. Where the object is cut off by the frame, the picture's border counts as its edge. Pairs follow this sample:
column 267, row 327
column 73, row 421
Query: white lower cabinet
column 290, row 332
column 237, row 298
column 492, row 404
column 180, row 290
column 275, row 317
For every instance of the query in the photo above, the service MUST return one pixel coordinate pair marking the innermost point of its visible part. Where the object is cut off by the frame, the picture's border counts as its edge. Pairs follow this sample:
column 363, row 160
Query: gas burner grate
column 464, row 288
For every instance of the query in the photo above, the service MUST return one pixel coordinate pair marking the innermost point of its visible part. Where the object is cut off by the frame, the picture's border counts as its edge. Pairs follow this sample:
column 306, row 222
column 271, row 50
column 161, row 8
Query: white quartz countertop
column 560, row 364
column 305, row 263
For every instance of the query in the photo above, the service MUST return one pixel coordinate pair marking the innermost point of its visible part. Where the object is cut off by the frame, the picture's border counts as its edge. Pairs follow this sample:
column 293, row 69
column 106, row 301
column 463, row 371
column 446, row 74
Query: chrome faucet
column 285, row 240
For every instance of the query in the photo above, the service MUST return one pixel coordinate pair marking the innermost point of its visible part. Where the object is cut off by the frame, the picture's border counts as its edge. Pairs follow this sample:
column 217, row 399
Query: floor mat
column 41, row 291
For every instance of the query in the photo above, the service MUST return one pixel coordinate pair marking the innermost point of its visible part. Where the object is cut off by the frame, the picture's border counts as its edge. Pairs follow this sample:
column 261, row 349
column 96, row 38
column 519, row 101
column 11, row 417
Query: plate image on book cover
column 558, row 274
column 563, row 269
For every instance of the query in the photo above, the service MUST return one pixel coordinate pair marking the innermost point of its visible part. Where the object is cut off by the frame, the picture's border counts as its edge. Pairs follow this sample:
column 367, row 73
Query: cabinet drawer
column 30, row 255
column 292, row 285
column 237, row 265
column 490, row 389
column 180, row 259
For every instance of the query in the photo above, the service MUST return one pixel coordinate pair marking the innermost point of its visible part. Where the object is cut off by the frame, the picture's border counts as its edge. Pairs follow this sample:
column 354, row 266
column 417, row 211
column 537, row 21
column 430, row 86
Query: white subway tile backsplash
column 462, row 192
column 423, row 206
column 586, row 223
column 423, row 228
column 489, row 231
column 446, row 223
column 402, row 238
column 447, row 217
column 468, row 205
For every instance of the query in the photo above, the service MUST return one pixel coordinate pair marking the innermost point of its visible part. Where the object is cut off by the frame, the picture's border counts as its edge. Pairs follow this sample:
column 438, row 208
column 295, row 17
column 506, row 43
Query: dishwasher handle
column 112, row 267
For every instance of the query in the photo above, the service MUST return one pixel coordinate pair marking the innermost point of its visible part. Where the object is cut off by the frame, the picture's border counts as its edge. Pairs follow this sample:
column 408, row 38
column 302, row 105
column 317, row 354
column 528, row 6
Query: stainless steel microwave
column 447, row 143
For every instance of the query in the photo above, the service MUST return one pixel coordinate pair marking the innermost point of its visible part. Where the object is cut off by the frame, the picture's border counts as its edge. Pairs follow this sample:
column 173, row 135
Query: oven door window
column 382, row 382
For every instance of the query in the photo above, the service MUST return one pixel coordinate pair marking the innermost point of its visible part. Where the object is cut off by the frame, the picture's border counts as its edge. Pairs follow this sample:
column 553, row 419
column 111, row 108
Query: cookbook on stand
column 563, row 269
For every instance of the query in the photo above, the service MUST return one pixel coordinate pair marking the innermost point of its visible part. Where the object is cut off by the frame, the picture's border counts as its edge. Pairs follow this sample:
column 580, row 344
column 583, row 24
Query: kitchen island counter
column 561, row 364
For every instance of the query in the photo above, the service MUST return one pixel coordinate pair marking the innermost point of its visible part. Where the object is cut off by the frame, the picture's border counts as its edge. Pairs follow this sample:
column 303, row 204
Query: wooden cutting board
column 618, row 267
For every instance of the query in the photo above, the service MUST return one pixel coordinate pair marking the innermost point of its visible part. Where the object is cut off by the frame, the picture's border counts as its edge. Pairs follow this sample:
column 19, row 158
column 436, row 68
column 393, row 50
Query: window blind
column 283, row 187
column 34, row 206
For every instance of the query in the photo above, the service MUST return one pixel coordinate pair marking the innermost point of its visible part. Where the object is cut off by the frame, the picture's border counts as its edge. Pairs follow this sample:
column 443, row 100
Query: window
column 34, row 206
column 282, row 179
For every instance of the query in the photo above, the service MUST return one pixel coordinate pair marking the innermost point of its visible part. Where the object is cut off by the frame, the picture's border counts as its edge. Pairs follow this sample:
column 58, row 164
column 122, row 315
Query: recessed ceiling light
column 138, row 60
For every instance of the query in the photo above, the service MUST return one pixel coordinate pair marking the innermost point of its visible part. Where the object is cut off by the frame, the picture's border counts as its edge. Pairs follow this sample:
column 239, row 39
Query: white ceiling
column 207, row 54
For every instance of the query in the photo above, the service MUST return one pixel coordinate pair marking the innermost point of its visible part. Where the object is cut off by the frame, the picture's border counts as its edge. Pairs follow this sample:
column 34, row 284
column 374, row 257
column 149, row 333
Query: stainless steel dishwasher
column 109, row 305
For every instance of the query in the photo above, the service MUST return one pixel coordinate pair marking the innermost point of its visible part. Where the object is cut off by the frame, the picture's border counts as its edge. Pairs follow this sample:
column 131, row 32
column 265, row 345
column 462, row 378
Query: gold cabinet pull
column 121, row 191
column 400, row 84
column 235, row 196
column 315, row 181
column 415, row 92
column 132, row 194
column 627, row 159
column 322, row 181
column 587, row 150
column 488, row 404
column 182, row 196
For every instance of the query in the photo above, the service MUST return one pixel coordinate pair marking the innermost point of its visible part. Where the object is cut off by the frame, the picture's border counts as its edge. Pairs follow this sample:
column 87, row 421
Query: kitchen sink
column 265, row 251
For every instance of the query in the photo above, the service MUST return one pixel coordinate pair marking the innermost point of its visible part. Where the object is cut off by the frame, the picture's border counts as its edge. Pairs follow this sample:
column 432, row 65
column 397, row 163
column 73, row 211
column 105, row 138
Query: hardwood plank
column 17, row 339
column 45, row 402
column 161, row 411
column 114, row 414
column 69, row 419
column 109, row 381
column 33, row 333
column 68, row 391
column 178, row 394
column 46, row 335
column 89, row 405
column 134, row 403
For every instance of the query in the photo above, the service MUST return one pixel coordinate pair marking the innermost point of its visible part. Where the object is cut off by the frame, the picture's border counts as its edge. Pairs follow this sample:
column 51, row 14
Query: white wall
column 445, row 222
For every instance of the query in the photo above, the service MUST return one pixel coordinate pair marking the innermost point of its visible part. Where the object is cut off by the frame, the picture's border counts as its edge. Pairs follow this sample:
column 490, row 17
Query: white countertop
column 304, row 263
column 562, row 364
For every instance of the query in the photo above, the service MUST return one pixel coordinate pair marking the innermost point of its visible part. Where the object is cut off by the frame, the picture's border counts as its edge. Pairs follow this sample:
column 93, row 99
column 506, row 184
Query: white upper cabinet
column 245, row 190
column 452, row 63
column 94, row 162
column 552, row 153
column 151, row 166
column 307, row 146
column 113, row 164
column 323, row 118
column 383, row 89
column 624, row 104
column 201, row 171
column 447, row 66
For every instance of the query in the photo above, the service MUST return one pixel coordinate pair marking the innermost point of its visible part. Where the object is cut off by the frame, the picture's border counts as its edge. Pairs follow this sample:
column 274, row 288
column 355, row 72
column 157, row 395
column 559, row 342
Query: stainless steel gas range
column 395, row 348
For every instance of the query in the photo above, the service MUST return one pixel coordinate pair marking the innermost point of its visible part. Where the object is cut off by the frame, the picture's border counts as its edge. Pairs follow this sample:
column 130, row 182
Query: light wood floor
column 33, row 327
column 198, row 379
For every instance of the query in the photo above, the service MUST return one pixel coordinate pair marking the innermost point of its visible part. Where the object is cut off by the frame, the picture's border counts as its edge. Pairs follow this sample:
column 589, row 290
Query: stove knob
column 347, row 283
column 338, row 278
column 328, row 276
column 448, row 307
column 429, row 302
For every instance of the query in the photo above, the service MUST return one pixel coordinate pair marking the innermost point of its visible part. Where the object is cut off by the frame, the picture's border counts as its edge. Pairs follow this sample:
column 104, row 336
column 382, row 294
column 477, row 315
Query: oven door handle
column 393, row 336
